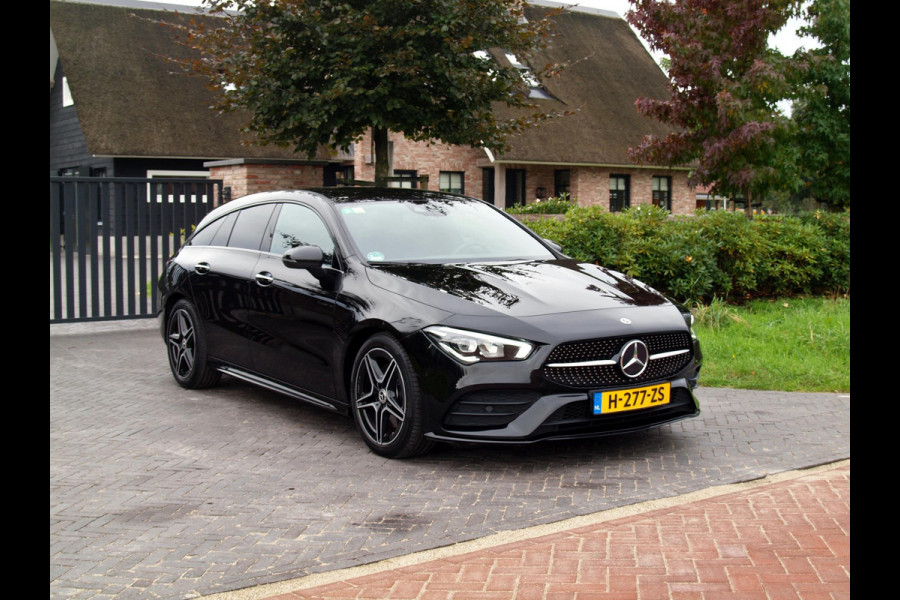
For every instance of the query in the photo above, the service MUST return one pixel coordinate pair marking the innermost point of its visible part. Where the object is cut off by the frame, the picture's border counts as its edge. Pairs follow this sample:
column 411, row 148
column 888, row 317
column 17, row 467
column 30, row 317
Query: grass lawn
column 796, row 344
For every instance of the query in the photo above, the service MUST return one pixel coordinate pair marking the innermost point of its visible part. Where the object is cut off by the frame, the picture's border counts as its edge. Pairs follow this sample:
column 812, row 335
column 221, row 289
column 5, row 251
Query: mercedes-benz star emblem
column 634, row 358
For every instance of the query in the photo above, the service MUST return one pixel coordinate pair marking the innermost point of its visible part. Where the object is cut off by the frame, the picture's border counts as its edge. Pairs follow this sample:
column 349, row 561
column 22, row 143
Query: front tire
column 386, row 401
column 186, row 341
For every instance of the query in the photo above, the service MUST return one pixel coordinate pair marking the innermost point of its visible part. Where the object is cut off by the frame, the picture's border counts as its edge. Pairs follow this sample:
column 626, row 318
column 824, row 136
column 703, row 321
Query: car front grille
column 673, row 351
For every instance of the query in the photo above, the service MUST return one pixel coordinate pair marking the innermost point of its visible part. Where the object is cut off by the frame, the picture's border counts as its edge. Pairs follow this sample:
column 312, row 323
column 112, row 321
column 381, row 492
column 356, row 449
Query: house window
column 412, row 183
column 487, row 184
column 333, row 175
column 535, row 89
column 662, row 192
column 619, row 193
column 561, row 182
column 453, row 182
column 346, row 174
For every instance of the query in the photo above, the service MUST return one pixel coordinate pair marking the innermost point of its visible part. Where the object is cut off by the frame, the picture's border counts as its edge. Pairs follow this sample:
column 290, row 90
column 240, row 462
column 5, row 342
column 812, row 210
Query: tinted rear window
column 250, row 227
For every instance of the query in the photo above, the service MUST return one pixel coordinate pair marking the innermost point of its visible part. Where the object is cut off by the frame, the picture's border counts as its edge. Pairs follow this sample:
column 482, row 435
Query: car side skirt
column 280, row 388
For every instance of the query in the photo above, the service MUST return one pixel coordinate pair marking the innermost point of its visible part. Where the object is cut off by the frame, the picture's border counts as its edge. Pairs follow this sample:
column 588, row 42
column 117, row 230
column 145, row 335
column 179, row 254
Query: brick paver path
column 164, row 493
column 778, row 541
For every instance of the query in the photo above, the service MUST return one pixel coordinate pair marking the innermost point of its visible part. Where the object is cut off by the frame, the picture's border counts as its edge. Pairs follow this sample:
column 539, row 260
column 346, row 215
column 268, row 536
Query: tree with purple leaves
column 726, row 83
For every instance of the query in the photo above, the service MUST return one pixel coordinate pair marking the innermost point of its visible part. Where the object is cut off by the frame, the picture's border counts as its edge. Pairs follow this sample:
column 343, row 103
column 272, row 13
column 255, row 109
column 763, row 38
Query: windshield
column 437, row 231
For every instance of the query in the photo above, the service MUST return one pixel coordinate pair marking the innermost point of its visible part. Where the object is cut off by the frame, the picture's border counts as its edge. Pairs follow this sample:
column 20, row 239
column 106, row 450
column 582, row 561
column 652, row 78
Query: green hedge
column 556, row 205
column 712, row 254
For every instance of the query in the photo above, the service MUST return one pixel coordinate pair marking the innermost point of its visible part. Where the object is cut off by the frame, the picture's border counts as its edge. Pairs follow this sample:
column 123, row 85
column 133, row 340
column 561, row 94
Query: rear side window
column 205, row 236
column 250, row 226
column 224, row 232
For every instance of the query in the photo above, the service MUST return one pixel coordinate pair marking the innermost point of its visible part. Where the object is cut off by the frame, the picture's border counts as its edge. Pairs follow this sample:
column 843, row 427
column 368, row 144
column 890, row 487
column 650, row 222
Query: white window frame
column 535, row 89
column 450, row 175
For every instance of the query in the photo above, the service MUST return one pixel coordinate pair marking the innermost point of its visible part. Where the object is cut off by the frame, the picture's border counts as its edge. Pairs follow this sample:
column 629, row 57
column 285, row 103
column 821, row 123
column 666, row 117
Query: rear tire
column 186, row 341
column 386, row 400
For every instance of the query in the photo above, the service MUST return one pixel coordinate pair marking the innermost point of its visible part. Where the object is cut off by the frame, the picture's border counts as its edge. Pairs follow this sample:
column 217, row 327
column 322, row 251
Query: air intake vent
column 488, row 409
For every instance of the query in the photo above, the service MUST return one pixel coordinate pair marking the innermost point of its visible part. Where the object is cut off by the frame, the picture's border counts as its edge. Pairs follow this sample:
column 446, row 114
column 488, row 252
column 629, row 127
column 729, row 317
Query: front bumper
column 568, row 416
column 514, row 403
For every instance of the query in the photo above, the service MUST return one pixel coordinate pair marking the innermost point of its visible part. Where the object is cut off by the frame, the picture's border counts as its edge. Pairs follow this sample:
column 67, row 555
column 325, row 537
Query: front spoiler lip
column 552, row 437
column 521, row 429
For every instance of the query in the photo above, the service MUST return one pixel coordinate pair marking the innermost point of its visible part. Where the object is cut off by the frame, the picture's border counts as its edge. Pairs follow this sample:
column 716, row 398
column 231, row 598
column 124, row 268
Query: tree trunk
column 382, row 166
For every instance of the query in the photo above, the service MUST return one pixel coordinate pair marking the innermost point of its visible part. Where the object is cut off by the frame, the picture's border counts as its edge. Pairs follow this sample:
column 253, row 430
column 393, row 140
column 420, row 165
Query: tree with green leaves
column 320, row 73
column 725, row 84
column 821, row 108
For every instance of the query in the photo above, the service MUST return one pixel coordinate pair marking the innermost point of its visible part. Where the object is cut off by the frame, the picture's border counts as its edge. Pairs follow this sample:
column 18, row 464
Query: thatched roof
column 608, row 69
column 130, row 101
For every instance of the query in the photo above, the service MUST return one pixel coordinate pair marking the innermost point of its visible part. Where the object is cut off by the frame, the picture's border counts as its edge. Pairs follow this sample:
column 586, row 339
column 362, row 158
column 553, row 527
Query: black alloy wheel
column 187, row 348
column 386, row 401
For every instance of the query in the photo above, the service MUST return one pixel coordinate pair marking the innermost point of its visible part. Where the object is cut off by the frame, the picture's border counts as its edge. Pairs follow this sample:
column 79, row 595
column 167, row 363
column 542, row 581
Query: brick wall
column 425, row 159
column 588, row 185
column 250, row 178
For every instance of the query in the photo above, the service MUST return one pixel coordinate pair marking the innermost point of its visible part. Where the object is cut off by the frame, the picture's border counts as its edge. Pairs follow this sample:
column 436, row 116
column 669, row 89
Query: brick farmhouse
column 118, row 109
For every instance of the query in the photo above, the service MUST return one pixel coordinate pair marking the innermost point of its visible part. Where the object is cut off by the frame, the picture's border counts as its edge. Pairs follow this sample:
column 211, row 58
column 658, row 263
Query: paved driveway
column 160, row 492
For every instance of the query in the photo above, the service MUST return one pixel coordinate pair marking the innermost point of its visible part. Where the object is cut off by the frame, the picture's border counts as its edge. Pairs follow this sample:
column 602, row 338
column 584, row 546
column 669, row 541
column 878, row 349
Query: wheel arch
column 351, row 349
column 166, row 307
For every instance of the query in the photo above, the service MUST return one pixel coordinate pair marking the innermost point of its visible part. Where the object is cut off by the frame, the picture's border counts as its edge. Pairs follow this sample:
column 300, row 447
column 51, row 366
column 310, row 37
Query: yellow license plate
column 632, row 399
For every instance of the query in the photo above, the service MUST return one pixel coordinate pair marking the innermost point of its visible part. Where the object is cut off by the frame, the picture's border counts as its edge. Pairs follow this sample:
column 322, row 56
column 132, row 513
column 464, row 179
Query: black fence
column 109, row 239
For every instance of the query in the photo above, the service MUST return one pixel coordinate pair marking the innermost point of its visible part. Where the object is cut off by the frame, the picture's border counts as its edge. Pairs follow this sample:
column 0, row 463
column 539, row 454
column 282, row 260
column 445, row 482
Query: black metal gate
column 109, row 238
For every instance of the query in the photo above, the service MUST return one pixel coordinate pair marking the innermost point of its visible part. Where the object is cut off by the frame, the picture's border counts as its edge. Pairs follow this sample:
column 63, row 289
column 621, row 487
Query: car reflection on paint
column 426, row 316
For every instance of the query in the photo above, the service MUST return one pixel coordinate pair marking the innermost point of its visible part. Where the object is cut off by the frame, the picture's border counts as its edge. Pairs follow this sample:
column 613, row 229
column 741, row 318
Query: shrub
column 556, row 205
column 834, row 256
column 595, row 235
column 714, row 254
column 791, row 262
column 674, row 258
column 737, row 248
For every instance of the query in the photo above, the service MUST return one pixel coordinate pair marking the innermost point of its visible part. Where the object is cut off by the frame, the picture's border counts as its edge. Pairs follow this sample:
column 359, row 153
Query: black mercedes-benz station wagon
column 426, row 316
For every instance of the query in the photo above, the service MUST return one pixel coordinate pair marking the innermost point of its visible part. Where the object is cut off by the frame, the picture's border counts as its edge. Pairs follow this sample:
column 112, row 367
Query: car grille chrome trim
column 598, row 363
column 668, row 354
column 587, row 364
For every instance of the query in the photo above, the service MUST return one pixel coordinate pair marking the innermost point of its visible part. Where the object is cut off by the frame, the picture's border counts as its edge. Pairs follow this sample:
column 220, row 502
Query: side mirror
column 303, row 257
column 310, row 258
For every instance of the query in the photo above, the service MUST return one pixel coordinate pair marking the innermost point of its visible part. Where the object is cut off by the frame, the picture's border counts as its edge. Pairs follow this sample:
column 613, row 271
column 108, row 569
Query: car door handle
column 202, row 267
column 264, row 278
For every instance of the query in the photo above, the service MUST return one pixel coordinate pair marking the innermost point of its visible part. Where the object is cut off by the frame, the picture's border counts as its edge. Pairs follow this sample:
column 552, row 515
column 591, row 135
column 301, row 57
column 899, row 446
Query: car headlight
column 472, row 346
column 690, row 320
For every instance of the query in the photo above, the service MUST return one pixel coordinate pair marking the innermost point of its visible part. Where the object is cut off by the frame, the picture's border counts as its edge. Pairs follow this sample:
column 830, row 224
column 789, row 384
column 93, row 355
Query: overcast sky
column 786, row 40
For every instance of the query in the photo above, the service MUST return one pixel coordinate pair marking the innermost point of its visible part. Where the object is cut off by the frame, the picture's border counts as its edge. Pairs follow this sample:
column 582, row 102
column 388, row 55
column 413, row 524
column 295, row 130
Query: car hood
column 514, row 289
